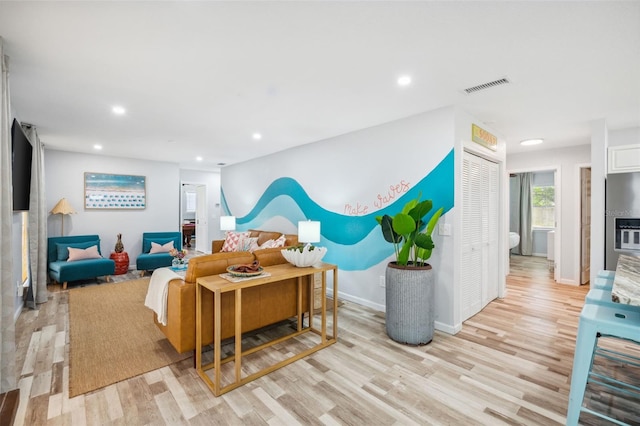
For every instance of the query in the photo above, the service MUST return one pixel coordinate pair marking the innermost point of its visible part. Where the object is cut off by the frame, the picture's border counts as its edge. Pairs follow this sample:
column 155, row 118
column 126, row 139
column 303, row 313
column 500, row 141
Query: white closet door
column 471, row 260
column 480, row 233
column 492, row 248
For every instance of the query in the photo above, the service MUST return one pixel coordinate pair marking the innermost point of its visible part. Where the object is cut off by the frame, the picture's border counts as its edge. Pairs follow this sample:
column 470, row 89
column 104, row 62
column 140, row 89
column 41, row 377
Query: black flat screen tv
column 21, row 157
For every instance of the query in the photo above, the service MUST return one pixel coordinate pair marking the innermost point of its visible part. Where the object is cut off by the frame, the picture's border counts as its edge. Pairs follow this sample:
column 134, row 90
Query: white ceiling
column 198, row 78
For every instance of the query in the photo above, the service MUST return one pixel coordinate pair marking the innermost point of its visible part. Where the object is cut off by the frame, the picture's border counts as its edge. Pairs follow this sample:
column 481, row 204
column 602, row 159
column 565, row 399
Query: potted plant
column 409, row 279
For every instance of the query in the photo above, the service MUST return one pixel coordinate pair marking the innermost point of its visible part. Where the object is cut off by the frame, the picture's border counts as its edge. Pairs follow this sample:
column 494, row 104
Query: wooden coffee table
column 218, row 285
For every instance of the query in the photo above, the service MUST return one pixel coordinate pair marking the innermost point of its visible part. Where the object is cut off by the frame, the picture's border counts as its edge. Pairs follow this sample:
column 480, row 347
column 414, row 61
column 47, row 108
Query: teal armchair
column 150, row 261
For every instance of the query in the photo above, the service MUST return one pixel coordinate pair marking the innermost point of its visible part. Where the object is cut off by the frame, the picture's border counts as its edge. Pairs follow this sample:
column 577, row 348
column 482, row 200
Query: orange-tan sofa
column 262, row 305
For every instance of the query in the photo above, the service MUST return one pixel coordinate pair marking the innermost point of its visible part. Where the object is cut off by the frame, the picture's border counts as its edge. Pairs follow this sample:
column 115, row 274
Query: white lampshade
column 309, row 231
column 227, row 223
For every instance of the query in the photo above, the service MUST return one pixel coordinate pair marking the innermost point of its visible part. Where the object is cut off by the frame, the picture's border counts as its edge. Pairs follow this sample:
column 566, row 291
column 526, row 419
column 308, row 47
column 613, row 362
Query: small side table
column 122, row 262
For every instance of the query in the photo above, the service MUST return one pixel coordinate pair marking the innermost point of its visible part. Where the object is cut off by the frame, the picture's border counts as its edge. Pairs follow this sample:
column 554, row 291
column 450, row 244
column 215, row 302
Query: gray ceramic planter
column 410, row 303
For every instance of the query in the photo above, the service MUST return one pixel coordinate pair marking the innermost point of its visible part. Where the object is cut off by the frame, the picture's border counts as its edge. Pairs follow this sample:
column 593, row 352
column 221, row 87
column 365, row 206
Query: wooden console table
column 218, row 285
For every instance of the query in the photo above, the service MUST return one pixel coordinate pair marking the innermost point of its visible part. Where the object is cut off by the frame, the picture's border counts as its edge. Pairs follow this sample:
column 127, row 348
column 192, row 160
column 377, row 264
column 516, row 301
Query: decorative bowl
column 234, row 273
column 304, row 256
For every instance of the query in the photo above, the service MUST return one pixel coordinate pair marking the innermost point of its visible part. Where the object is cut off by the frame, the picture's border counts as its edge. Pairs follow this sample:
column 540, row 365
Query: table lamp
column 227, row 223
column 309, row 231
column 63, row 207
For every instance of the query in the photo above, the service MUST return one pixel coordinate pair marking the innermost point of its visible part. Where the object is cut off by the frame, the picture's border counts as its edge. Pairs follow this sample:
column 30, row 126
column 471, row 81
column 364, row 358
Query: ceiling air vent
column 488, row 85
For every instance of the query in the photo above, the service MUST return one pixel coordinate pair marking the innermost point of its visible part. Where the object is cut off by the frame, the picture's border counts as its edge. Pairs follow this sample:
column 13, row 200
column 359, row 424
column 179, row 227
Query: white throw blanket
column 158, row 290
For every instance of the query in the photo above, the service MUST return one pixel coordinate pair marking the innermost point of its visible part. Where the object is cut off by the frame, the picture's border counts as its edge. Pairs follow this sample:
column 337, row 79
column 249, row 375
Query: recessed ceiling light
column 404, row 80
column 256, row 136
column 198, row 158
column 98, row 147
column 118, row 110
column 529, row 142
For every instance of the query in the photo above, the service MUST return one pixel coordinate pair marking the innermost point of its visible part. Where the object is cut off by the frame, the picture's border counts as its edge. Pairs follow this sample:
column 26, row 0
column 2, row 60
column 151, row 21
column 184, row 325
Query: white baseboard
column 568, row 282
column 445, row 328
column 378, row 307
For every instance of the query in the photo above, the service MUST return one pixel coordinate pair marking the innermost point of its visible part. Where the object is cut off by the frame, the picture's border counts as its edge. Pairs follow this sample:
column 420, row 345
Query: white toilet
column 514, row 239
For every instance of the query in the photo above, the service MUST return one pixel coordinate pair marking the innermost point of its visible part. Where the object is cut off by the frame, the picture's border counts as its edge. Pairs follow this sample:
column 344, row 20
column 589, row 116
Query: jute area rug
column 113, row 337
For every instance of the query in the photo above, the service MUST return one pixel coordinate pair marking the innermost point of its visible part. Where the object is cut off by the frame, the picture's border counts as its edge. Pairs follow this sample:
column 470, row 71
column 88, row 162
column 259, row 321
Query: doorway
column 193, row 217
column 534, row 205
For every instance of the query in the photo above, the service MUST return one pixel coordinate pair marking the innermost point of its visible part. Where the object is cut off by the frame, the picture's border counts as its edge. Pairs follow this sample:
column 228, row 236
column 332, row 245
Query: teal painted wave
column 353, row 242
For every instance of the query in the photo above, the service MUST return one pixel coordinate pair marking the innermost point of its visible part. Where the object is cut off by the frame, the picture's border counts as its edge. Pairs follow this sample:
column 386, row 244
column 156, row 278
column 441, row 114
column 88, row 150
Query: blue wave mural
column 354, row 243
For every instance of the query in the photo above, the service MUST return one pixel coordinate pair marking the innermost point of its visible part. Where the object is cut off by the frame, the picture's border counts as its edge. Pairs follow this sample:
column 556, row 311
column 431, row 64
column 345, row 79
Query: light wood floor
column 510, row 364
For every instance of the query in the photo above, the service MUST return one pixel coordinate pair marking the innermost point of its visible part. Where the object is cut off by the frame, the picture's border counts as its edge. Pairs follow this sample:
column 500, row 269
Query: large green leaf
column 410, row 205
column 403, row 224
column 433, row 220
column 424, row 241
column 387, row 230
column 420, row 210
column 424, row 254
column 405, row 251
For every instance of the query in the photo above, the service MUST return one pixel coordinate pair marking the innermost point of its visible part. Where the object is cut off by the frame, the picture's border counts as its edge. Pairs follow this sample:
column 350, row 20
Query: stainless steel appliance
column 622, row 217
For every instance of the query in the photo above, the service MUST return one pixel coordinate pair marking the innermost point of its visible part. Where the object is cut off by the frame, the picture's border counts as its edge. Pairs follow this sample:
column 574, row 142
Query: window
column 543, row 203
column 190, row 201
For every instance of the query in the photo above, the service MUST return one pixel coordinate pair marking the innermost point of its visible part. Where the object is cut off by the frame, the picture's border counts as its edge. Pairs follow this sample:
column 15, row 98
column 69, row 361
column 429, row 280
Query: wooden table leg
column 238, row 333
column 324, row 307
column 216, row 340
column 335, row 304
column 198, row 349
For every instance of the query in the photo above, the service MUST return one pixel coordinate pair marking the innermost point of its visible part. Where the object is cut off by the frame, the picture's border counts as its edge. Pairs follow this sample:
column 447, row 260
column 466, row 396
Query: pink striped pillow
column 232, row 239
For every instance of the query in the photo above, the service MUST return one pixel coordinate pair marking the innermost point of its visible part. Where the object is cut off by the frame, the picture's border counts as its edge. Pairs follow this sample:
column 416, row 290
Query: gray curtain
column 7, row 292
column 37, row 292
column 526, row 235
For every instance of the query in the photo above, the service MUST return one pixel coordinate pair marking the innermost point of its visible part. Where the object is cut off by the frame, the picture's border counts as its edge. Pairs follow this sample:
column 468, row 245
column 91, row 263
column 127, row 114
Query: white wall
column 64, row 174
column 629, row 136
column 599, row 144
column 566, row 159
column 351, row 169
column 346, row 175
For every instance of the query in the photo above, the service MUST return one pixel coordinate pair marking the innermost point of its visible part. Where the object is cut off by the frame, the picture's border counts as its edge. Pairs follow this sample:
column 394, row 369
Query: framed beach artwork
column 107, row 191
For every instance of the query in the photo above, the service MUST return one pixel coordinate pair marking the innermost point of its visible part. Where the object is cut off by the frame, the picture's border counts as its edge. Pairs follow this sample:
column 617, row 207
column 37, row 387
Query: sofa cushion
column 146, row 242
column 264, row 236
column 247, row 244
column 232, row 239
column 161, row 248
column 63, row 248
column 281, row 241
column 83, row 254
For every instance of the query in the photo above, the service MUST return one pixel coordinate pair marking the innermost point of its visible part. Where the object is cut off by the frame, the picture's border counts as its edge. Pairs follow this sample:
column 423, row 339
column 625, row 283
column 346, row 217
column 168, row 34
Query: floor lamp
column 63, row 207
